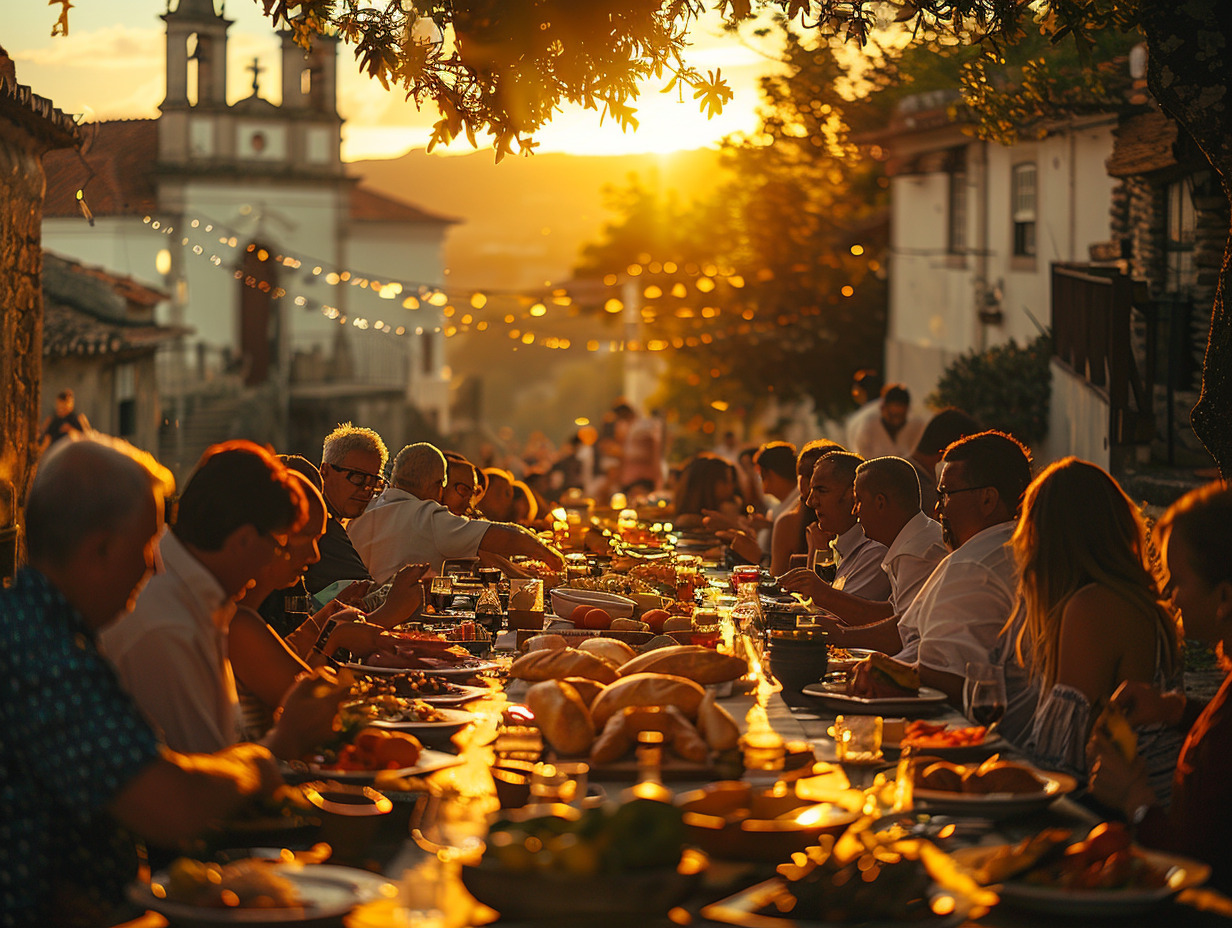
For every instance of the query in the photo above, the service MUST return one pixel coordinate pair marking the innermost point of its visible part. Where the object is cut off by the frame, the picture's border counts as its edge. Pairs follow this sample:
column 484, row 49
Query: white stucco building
column 306, row 293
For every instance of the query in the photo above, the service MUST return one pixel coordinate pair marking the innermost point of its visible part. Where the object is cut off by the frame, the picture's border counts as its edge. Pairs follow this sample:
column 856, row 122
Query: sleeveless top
column 1058, row 736
column 56, row 427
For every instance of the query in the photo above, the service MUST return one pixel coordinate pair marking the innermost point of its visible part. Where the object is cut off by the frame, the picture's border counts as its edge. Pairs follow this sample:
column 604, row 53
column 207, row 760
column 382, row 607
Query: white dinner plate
column 467, row 668
column 992, row 744
column 743, row 910
column 449, row 719
column 833, row 694
column 997, row 805
column 1183, row 873
column 429, row 760
column 327, row 892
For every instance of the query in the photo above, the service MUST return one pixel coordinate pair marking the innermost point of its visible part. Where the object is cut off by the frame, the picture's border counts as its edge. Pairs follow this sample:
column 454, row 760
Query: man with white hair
column 353, row 462
column 407, row 523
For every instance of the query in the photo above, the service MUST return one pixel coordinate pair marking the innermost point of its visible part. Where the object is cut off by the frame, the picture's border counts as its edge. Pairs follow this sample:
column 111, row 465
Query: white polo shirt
column 398, row 528
column 859, row 565
column 915, row 553
column 959, row 613
column 171, row 654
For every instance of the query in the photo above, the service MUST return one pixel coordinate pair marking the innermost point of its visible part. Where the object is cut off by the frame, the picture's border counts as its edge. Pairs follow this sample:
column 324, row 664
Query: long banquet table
column 803, row 720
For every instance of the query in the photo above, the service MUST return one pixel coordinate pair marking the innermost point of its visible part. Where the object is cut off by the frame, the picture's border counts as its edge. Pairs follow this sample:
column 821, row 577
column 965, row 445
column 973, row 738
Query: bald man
column 408, row 524
column 80, row 766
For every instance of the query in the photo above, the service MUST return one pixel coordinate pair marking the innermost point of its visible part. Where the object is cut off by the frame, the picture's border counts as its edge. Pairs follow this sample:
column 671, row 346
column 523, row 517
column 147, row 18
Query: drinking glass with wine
column 984, row 695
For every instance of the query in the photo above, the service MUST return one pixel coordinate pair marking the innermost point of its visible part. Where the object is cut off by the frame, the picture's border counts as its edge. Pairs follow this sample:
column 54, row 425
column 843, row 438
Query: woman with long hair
column 1195, row 541
column 1089, row 615
column 707, row 483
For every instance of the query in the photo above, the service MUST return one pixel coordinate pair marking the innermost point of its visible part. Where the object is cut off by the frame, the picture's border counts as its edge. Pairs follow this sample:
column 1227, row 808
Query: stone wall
column 21, row 311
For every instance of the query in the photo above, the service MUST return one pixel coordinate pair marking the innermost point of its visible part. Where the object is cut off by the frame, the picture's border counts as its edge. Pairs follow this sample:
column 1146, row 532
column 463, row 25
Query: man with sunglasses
column 352, row 462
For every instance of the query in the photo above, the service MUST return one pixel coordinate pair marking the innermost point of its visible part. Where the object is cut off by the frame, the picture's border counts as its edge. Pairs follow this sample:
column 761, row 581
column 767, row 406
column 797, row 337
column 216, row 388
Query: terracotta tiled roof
column 1143, row 143
column 37, row 115
column 88, row 311
column 122, row 155
column 369, row 206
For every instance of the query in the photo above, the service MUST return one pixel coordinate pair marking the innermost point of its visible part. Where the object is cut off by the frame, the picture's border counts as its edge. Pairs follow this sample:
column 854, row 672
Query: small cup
column 857, row 738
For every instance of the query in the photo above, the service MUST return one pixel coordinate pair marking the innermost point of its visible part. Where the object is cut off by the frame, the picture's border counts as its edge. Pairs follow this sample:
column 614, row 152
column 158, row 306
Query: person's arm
column 404, row 599
column 507, row 541
column 879, row 636
column 260, row 659
column 307, row 717
column 949, row 683
column 853, row 610
column 1143, row 704
column 178, row 796
column 85, row 423
column 743, row 544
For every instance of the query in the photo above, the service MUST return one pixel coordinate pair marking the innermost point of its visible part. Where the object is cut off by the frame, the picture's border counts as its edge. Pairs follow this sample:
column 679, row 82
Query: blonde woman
column 1089, row 615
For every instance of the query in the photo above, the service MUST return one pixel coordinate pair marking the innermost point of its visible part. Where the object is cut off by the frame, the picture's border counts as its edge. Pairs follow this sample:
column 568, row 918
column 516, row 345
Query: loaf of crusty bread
column 694, row 662
column 536, row 642
column 561, row 716
column 613, row 651
column 717, row 725
column 619, row 735
column 558, row 663
column 647, row 689
column 588, row 689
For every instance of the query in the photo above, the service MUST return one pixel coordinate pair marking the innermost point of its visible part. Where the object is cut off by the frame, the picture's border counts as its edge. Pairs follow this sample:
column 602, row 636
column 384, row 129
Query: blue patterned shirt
column 70, row 740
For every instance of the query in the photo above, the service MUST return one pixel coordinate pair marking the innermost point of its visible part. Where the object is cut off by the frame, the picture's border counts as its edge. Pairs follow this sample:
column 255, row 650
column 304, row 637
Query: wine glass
column 984, row 695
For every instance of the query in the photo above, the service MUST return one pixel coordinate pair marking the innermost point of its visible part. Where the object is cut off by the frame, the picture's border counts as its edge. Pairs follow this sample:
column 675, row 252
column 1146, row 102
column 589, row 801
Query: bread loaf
column 589, row 690
column 558, row 663
column 694, row 662
column 716, row 725
column 647, row 689
column 619, row 735
column 561, row 716
column 537, row 642
column 613, row 651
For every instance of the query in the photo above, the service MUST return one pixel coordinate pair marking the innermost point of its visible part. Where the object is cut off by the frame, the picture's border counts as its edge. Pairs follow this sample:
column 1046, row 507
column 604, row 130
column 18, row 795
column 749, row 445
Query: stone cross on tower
column 256, row 70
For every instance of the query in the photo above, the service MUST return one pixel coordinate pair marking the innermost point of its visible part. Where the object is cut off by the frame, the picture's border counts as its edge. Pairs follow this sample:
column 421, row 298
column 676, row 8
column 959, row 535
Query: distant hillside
column 525, row 219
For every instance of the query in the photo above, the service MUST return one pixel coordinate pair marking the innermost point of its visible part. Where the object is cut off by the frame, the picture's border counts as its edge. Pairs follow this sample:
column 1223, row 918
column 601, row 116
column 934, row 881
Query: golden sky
column 111, row 66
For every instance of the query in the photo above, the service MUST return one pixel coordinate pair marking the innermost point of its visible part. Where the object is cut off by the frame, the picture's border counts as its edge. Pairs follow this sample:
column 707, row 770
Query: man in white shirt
column 959, row 613
column 408, row 524
column 858, row 558
column 887, row 503
column 170, row 651
column 893, row 431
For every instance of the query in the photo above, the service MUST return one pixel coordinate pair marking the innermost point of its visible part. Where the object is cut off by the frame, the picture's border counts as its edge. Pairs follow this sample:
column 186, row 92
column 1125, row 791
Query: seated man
column 959, row 613
column 352, row 462
column 858, row 558
column 235, row 515
column 80, row 765
column 407, row 524
column 892, row 431
column 887, row 501
column 461, row 485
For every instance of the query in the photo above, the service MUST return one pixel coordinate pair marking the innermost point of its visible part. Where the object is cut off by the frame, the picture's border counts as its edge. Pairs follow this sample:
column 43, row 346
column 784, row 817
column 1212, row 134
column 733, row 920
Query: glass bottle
column 488, row 610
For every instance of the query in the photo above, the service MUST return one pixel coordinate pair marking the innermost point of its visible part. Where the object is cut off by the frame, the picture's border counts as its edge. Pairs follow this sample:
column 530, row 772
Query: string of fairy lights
column 468, row 309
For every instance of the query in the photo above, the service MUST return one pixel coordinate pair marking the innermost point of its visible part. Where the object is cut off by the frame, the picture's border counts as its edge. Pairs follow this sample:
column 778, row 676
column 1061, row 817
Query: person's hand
column 253, row 768
column 553, row 558
column 804, row 581
column 307, row 715
column 405, row 594
column 818, row 538
column 358, row 637
column 744, row 544
column 722, row 522
column 353, row 595
column 1116, row 782
column 1143, row 704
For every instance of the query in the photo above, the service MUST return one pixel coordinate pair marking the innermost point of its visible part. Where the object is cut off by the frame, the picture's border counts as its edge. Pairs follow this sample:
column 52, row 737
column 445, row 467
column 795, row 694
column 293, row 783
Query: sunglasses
column 360, row 478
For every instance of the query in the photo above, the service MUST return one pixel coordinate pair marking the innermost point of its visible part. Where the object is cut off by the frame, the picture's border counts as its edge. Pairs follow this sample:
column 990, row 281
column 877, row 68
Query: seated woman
column 1089, row 615
column 707, row 483
column 1195, row 542
column 266, row 666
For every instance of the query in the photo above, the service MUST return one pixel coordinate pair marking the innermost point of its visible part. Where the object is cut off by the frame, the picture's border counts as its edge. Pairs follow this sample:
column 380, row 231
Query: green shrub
column 1005, row 387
